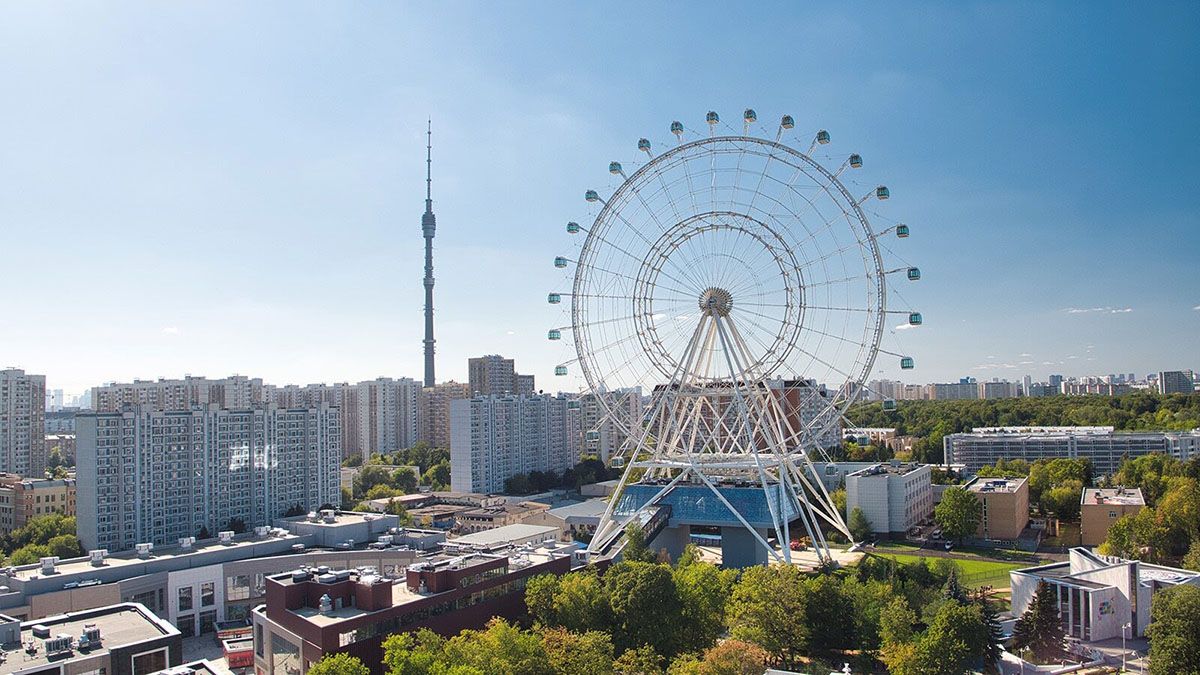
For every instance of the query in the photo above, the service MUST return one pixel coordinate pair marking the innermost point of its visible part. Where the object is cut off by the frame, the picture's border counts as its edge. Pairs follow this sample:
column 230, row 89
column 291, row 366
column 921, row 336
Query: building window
column 185, row 599
column 208, row 596
column 1112, row 514
column 150, row 662
column 285, row 656
column 186, row 625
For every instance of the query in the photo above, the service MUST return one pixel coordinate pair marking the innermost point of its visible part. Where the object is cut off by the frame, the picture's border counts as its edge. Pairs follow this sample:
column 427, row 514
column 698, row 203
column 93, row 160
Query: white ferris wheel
column 742, row 283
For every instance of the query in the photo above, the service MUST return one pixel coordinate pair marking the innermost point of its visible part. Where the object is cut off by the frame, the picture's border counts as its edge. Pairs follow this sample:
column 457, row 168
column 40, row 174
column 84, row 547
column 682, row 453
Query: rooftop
column 83, row 566
column 505, row 535
column 996, row 484
column 119, row 625
column 1118, row 495
column 591, row 508
column 888, row 468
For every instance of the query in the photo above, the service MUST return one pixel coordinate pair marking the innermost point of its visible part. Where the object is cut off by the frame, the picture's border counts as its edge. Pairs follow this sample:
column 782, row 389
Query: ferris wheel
column 721, row 272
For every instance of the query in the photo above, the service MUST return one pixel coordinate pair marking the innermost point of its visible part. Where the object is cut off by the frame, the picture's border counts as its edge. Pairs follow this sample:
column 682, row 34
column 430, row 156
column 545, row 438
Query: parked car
column 949, row 545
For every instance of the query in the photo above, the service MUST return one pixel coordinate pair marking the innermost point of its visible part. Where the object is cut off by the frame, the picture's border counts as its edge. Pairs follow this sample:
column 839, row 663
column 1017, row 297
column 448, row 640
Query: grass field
column 974, row 573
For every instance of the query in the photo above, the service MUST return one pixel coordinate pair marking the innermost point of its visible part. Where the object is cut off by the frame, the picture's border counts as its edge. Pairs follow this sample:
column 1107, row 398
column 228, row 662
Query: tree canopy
column 958, row 513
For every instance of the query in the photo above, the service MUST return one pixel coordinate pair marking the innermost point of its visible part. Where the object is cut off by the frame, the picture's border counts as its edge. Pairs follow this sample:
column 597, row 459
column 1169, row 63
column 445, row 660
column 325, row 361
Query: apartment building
column 158, row 476
column 235, row 391
column 495, row 375
column 433, row 411
column 1105, row 447
column 608, row 418
column 493, row 438
column 22, row 423
column 22, row 499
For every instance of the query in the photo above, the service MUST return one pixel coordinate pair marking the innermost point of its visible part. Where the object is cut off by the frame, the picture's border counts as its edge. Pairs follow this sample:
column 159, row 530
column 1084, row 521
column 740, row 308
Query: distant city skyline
column 187, row 191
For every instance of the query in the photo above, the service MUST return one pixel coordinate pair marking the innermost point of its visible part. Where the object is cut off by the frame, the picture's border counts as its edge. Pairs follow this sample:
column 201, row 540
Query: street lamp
column 1127, row 626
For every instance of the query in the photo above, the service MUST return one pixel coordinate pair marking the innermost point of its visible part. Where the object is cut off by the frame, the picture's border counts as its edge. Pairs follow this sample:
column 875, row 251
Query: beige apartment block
column 23, row 499
column 1005, row 504
column 1099, row 508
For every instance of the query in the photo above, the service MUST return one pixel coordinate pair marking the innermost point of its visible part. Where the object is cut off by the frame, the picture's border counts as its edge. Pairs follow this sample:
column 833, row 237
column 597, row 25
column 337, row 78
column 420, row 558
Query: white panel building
column 894, row 497
column 159, row 476
column 1105, row 447
column 22, row 423
column 493, row 438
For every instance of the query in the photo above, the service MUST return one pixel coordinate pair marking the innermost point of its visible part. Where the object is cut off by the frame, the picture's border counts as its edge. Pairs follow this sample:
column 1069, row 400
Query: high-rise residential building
column 995, row 389
column 1175, row 382
column 523, row 384
column 1055, row 382
column 492, row 375
column 1027, row 386
column 955, row 391
column 433, row 411
column 1105, row 447
column 387, row 415
column 235, row 391
column 607, row 418
column 22, row 423
column 493, row 438
column 153, row 476
column 809, row 411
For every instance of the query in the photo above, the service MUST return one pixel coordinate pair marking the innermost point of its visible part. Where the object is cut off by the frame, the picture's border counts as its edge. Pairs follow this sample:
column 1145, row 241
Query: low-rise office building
column 489, row 518
column 893, row 496
column 313, row 612
column 1005, row 507
column 1097, row 595
column 1103, row 446
column 120, row 639
column 1099, row 508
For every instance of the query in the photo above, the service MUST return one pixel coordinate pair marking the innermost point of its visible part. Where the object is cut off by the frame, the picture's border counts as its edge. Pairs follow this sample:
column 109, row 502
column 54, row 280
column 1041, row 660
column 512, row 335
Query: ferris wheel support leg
column 737, row 514
column 737, row 372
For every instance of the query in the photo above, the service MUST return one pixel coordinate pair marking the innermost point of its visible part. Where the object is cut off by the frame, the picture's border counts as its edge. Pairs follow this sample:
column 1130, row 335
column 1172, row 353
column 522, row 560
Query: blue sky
column 222, row 187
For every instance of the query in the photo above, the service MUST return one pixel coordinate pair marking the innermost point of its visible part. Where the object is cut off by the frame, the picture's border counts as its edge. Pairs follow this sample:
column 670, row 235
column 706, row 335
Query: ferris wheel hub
column 716, row 301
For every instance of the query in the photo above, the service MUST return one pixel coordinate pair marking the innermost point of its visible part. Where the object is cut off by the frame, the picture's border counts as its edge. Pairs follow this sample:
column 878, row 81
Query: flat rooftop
column 74, row 567
column 1119, row 495
column 994, row 485
column 591, row 508
column 338, row 518
column 886, row 468
column 505, row 535
column 119, row 625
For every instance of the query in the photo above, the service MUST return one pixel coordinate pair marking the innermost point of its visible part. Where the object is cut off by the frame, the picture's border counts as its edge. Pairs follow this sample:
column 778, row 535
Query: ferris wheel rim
column 830, row 184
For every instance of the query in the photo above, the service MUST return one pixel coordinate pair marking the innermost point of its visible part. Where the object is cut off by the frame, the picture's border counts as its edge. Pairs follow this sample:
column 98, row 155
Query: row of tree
column 589, row 470
column 1055, row 485
column 48, row 535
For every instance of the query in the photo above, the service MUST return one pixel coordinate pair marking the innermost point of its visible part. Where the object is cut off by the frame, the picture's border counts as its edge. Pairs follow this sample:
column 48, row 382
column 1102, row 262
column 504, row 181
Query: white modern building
column 893, row 496
column 1098, row 595
column 22, row 423
column 493, row 438
column 1105, row 447
column 149, row 476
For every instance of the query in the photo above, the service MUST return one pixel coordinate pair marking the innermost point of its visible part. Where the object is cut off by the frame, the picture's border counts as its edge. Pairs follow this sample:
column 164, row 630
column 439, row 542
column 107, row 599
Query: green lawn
column 975, row 573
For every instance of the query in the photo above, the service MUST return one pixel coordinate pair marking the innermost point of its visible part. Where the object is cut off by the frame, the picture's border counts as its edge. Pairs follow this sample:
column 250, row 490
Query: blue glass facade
column 697, row 505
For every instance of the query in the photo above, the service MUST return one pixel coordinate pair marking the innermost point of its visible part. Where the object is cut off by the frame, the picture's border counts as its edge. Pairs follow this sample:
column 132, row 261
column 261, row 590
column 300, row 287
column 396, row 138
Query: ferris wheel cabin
column 902, row 230
column 906, row 362
column 914, row 273
column 554, row 334
column 572, row 228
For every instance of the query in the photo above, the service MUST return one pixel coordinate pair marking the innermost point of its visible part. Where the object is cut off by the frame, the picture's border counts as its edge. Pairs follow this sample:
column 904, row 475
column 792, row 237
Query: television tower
column 428, row 226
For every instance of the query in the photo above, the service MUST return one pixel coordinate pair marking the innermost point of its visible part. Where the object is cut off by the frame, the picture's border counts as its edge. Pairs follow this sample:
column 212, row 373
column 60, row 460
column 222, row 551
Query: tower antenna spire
column 428, row 228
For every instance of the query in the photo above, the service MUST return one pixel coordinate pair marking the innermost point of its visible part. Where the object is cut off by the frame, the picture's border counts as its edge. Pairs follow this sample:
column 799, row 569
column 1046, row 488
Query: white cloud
column 1025, row 354
column 904, row 326
column 511, row 332
column 171, row 330
column 1098, row 310
column 1047, row 363
column 1197, row 308
column 1072, row 357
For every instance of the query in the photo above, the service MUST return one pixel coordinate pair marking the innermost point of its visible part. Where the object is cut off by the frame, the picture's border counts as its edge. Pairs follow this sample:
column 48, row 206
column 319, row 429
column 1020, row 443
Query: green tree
column 412, row 653
column 382, row 491
column 956, row 638
column 339, row 664
column 29, row 554
column 991, row 621
column 703, row 589
column 1039, row 628
column 896, row 623
column 838, row 497
column 829, row 613
column 1137, row 535
column 958, row 513
column 1063, row 500
column 65, row 546
column 645, row 605
column 641, row 661
column 731, row 657
column 1191, row 561
column 860, row 525
column 952, row 589
column 437, row 476
column 577, row 602
column 635, row 544
column 768, row 607
column 498, row 648
column 569, row 653
column 404, row 480
column 1174, row 631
